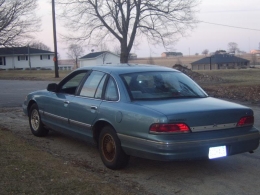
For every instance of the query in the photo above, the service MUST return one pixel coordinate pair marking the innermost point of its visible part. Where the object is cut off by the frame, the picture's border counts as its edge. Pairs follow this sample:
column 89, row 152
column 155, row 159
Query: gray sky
column 238, row 13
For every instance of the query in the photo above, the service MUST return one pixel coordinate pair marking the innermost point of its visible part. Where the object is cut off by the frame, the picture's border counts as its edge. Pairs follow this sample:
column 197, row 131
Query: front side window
column 72, row 84
column 161, row 85
column 91, row 85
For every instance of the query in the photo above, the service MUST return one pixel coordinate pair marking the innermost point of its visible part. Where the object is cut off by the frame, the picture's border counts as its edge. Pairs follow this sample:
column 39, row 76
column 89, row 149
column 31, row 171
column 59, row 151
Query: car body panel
column 212, row 121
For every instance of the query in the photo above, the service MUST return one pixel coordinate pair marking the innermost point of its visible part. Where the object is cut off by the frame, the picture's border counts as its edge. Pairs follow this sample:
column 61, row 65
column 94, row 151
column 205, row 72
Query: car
column 146, row 111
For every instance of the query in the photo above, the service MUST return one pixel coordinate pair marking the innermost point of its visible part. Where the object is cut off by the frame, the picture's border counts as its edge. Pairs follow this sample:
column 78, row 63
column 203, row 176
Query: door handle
column 66, row 102
column 93, row 107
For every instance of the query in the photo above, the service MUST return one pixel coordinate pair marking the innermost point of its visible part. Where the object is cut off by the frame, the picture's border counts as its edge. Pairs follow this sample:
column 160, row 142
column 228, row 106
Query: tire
column 110, row 149
column 36, row 126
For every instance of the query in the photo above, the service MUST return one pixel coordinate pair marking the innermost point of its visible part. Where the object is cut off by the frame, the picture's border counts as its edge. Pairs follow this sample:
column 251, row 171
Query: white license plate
column 217, row 152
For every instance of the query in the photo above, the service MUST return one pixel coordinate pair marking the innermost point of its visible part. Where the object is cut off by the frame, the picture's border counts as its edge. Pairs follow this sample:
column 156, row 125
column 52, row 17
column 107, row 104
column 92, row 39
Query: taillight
column 246, row 120
column 169, row 128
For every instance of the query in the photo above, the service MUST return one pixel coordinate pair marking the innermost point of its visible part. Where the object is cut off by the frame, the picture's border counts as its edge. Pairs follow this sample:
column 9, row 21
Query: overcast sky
column 237, row 13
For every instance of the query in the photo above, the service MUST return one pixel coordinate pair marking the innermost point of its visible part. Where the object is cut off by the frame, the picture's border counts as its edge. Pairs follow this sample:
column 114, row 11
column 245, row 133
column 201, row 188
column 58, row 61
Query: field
column 241, row 85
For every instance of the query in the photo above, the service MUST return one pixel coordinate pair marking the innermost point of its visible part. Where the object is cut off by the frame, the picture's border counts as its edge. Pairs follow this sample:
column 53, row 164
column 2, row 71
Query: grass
column 26, row 169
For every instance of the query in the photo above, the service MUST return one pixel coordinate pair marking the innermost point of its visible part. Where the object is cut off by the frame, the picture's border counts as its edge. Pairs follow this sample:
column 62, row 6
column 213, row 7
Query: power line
column 230, row 26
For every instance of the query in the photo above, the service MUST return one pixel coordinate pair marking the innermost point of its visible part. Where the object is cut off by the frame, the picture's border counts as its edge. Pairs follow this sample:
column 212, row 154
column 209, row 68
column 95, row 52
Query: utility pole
column 55, row 42
column 29, row 57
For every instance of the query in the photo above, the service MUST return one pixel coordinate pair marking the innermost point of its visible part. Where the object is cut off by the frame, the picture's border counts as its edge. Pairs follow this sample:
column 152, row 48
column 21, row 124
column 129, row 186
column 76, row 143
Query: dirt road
column 237, row 174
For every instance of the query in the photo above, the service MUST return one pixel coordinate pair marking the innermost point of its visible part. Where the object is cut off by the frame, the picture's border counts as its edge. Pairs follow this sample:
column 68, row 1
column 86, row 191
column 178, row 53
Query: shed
column 98, row 58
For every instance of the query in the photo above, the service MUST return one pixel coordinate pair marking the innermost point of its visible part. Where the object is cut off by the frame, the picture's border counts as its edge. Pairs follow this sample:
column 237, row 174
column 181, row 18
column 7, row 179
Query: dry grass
column 26, row 169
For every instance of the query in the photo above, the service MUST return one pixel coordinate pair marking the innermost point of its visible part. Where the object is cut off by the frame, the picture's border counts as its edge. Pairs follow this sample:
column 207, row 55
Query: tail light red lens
column 169, row 128
column 246, row 120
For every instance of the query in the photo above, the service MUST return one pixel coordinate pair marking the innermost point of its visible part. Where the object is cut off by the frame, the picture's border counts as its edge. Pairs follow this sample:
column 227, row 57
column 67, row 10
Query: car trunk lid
column 200, row 114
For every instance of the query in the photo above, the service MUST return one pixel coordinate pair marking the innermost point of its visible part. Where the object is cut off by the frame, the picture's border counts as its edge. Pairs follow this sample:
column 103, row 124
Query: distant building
column 68, row 64
column 132, row 56
column 24, row 57
column 171, row 54
column 99, row 58
column 220, row 61
column 255, row 51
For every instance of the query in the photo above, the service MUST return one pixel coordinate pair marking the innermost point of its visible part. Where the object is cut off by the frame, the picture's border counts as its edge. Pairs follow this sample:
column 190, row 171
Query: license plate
column 217, row 152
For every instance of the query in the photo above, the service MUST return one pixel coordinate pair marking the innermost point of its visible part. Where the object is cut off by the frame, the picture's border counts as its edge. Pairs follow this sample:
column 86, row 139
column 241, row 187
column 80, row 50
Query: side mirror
column 52, row 87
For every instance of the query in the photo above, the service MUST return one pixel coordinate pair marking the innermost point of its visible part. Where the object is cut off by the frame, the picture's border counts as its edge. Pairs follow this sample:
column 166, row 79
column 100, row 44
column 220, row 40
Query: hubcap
column 35, row 120
column 108, row 147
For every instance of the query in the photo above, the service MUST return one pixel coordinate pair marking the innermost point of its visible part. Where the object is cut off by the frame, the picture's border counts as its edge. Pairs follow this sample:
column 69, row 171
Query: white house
column 24, row 57
column 98, row 58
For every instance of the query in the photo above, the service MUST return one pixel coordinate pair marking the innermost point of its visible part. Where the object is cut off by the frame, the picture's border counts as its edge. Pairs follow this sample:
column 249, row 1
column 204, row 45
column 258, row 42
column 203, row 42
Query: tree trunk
column 124, row 52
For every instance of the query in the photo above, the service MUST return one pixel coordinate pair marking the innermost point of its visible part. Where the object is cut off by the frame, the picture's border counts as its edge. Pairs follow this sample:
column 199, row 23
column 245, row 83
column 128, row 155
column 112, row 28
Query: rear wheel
column 110, row 149
column 36, row 126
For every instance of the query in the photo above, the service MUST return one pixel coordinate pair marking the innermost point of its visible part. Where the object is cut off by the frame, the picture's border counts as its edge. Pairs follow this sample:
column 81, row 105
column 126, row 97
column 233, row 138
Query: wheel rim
column 35, row 120
column 108, row 147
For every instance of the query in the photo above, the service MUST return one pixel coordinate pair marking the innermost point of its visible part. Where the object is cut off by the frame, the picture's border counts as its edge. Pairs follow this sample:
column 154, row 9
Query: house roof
column 172, row 53
column 220, row 59
column 22, row 51
column 96, row 55
column 93, row 55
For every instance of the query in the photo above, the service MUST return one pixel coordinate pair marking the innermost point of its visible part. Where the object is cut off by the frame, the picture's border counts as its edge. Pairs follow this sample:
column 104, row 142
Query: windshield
column 161, row 85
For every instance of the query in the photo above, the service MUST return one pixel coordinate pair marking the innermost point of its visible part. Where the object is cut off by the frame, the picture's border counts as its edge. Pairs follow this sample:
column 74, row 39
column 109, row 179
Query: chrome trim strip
column 213, row 127
column 146, row 141
column 79, row 123
column 41, row 112
column 55, row 116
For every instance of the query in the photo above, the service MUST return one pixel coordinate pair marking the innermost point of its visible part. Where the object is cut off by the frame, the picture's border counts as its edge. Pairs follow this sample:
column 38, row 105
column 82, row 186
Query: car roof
column 127, row 68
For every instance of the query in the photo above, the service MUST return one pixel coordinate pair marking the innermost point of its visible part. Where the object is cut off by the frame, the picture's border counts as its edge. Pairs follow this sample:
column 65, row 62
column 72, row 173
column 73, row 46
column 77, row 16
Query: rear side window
column 111, row 93
column 91, row 85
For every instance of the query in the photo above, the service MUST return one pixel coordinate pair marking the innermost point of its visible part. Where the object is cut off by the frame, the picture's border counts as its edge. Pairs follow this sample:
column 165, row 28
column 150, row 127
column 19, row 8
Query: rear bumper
column 185, row 150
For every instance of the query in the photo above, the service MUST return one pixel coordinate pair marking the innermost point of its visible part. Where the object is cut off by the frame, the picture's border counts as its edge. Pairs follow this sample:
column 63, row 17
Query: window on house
column 45, row 57
column 22, row 58
column 2, row 61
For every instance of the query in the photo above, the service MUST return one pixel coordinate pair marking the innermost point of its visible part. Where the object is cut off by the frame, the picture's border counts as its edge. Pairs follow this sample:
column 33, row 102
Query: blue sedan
column 146, row 111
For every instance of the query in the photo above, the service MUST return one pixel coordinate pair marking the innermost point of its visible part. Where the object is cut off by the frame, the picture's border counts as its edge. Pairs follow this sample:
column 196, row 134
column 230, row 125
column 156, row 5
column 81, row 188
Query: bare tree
column 74, row 52
column 17, row 21
column 232, row 47
column 205, row 52
column 117, row 50
column 150, row 60
column 103, row 47
column 39, row 45
column 160, row 21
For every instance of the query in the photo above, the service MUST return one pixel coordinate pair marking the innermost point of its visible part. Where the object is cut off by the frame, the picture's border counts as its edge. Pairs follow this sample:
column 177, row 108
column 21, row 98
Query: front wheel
column 110, row 149
column 36, row 126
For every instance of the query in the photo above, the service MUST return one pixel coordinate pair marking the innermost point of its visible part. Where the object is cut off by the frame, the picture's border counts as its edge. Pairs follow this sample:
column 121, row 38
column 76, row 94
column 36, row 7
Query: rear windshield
column 161, row 85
